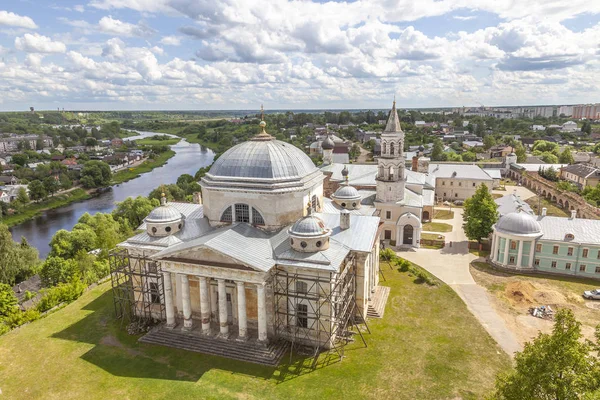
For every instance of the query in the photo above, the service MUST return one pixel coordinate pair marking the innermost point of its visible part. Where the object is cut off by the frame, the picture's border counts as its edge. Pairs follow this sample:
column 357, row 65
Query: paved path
column 522, row 191
column 451, row 266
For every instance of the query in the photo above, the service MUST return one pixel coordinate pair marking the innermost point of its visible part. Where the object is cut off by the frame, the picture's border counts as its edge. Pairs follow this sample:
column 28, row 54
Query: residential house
column 581, row 175
column 500, row 151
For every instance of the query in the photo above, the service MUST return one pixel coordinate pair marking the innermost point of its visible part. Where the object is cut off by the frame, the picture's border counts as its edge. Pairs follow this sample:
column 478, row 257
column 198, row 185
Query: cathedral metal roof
column 264, row 159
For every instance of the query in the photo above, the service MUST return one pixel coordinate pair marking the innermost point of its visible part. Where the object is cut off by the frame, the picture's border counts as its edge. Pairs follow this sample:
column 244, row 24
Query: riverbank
column 33, row 210
column 147, row 166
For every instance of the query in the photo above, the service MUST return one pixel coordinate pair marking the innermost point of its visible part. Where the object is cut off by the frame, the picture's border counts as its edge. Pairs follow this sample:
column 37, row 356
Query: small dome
column 327, row 144
column 163, row 214
column 519, row 223
column 346, row 192
column 309, row 226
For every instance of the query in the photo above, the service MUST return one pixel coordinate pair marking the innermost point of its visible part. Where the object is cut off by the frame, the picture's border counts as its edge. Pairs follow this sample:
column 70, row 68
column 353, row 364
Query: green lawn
column 34, row 209
column 147, row 166
column 428, row 346
column 437, row 227
column 552, row 208
column 154, row 142
column 443, row 214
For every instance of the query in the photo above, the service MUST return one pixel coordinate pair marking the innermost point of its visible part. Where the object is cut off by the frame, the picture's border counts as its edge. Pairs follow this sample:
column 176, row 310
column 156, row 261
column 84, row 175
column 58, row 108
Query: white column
column 241, row 303
column 495, row 240
column 262, row 312
column 187, row 304
column 224, row 327
column 204, row 305
column 506, row 247
column 214, row 307
column 400, row 235
column 169, row 306
column 532, row 253
column 520, row 254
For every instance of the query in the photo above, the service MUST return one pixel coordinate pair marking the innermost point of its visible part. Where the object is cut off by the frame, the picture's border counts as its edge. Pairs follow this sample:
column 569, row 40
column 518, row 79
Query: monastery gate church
column 263, row 259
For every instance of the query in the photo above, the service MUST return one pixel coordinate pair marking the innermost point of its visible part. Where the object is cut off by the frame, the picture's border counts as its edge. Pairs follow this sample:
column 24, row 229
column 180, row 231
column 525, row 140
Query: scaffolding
column 137, row 286
column 317, row 311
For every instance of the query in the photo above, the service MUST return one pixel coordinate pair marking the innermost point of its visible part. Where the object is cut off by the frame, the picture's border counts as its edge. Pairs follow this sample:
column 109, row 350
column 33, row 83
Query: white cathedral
column 264, row 257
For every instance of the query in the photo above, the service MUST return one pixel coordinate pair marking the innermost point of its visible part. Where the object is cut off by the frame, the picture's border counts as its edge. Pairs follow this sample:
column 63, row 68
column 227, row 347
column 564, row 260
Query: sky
column 238, row 54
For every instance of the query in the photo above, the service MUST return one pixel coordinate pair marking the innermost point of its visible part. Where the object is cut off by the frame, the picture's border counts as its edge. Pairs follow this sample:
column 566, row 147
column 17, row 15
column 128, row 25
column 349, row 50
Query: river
column 188, row 158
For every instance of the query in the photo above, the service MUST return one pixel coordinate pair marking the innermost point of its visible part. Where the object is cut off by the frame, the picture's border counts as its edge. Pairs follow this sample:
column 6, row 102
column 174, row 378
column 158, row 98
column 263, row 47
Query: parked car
column 458, row 202
column 592, row 294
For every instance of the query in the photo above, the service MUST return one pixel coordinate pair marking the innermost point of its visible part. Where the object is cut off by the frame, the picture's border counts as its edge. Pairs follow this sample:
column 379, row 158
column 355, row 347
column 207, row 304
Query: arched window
column 301, row 287
column 383, row 147
column 226, row 216
column 392, row 148
column 257, row 219
column 242, row 213
column 391, row 172
column 381, row 171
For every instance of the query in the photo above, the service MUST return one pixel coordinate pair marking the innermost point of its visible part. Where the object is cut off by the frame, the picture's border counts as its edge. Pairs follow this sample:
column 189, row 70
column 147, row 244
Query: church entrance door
column 408, row 235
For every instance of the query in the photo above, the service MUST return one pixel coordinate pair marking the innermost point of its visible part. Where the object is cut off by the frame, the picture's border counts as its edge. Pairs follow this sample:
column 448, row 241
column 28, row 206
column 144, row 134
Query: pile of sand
column 520, row 293
column 545, row 297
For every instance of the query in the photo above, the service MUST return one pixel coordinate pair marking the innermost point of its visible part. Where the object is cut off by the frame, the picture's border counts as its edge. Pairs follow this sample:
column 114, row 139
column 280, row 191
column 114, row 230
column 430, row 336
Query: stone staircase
column 378, row 301
column 248, row 351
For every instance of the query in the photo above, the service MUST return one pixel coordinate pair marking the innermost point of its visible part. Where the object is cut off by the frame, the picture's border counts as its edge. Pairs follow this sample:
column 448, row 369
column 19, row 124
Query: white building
column 569, row 126
column 258, row 262
column 458, row 181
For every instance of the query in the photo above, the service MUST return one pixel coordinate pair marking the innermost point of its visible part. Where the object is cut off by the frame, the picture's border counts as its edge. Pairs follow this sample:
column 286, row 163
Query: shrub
column 402, row 264
column 21, row 317
column 62, row 293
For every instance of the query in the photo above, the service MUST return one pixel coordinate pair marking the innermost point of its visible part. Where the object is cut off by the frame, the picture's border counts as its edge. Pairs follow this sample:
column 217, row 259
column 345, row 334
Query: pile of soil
column 520, row 293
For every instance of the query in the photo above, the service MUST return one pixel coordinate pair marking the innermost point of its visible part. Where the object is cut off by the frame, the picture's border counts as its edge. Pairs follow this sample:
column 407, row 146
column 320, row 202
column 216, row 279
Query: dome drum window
column 241, row 212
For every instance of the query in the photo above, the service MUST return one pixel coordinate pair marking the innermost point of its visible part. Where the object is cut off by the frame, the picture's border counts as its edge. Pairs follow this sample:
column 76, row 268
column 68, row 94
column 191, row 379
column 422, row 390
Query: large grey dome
column 263, row 159
column 518, row 223
column 309, row 226
column 164, row 214
column 346, row 192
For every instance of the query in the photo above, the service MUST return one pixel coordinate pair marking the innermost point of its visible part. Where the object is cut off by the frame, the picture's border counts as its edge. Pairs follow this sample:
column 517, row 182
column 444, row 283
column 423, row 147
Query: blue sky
column 237, row 54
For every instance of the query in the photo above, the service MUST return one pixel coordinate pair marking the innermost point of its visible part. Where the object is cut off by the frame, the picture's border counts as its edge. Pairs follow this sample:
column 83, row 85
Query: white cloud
column 112, row 26
column 35, row 43
column 12, row 19
column 79, row 8
column 171, row 40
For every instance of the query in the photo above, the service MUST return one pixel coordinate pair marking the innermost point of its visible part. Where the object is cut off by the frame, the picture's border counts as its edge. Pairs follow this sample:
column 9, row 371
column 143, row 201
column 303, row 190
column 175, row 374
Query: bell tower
column 390, row 165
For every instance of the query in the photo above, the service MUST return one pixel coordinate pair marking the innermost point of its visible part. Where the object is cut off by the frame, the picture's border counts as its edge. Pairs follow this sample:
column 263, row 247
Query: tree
column 437, row 150
column 173, row 193
column 51, row 185
column 469, row 156
column 586, row 127
column 8, row 301
column 57, row 270
column 566, row 157
column 20, row 159
column 354, row 151
column 95, row 174
column 67, row 244
column 521, row 153
column 545, row 146
column 17, row 262
column 133, row 211
column 548, row 158
column 480, row 214
column 554, row 366
column 489, row 142
column 37, row 191
column 22, row 196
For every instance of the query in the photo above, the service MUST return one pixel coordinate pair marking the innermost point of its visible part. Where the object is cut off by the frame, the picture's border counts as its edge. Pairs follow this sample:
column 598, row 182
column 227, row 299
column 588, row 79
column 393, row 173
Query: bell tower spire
column 390, row 172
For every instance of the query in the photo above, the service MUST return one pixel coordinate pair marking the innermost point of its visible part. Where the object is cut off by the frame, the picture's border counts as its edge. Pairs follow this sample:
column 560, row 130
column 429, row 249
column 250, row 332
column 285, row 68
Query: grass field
column 154, row 142
column 428, row 346
column 437, row 227
column 553, row 209
column 32, row 210
column 443, row 214
column 147, row 166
